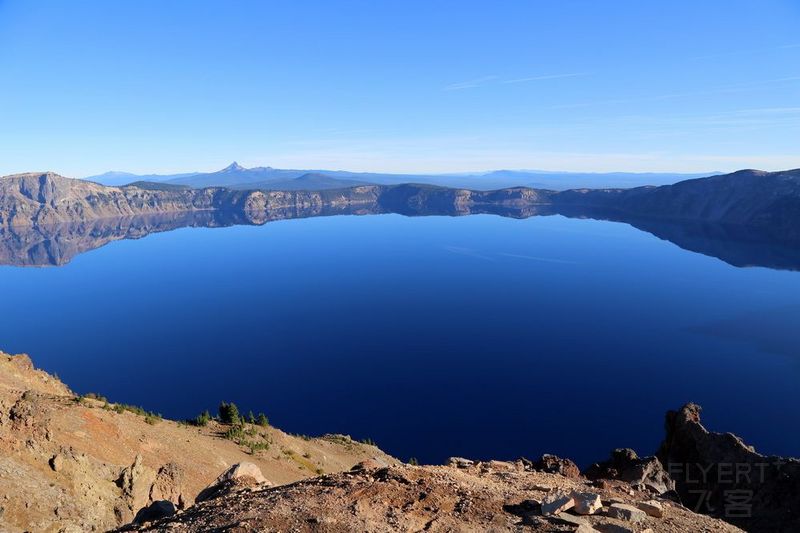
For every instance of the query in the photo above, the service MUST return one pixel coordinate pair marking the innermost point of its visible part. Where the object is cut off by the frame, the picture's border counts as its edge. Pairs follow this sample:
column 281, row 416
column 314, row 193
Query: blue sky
column 411, row 86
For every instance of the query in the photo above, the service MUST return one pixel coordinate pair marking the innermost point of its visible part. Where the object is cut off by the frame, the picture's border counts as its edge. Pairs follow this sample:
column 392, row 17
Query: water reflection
column 58, row 245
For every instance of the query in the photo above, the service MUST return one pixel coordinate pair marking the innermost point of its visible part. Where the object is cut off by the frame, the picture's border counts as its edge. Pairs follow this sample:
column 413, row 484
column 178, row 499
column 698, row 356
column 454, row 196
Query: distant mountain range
column 235, row 176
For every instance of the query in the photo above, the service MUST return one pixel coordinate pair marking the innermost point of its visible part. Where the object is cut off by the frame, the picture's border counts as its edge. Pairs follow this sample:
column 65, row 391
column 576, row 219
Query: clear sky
column 406, row 85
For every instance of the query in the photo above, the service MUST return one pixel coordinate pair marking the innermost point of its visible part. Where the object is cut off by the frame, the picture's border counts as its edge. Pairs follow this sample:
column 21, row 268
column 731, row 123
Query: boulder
column 557, row 503
column 640, row 472
column 552, row 464
column 460, row 462
column 629, row 513
column 652, row 508
column 586, row 503
column 240, row 476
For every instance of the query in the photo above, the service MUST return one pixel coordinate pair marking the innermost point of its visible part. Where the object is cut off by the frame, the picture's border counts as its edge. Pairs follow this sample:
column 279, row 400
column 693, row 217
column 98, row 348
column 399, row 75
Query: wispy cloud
column 746, row 51
column 486, row 80
column 546, row 77
column 731, row 88
column 469, row 84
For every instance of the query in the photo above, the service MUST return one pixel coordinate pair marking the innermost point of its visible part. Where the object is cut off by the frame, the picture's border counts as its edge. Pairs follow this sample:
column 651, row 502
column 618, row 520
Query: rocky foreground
column 70, row 463
column 73, row 464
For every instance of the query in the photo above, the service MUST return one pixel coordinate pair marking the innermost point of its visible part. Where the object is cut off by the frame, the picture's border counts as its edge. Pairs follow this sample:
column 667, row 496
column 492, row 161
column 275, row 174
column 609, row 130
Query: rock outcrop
column 553, row 464
column 644, row 473
column 719, row 474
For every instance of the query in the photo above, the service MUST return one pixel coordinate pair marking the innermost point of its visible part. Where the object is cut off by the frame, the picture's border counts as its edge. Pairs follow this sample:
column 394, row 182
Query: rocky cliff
column 49, row 199
column 749, row 198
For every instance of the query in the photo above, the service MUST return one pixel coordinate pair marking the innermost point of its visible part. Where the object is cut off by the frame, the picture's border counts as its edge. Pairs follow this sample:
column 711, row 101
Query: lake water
column 478, row 336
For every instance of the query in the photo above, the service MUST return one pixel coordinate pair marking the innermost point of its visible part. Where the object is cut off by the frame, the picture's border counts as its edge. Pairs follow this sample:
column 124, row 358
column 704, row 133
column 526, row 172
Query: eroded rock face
column 136, row 482
column 168, row 485
column 719, row 474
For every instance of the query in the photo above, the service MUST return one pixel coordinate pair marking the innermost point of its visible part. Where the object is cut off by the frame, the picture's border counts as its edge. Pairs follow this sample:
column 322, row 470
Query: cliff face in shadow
column 769, row 201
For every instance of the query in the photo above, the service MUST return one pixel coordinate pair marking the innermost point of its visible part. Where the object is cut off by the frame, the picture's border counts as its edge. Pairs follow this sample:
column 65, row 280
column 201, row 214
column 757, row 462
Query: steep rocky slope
column 75, row 464
column 50, row 199
column 745, row 198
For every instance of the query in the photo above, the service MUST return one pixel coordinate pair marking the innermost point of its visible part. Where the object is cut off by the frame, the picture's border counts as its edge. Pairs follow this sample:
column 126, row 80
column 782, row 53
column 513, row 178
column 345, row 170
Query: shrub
column 202, row 419
column 413, row 461
column 152, row 418
column 262, row 420
column 255, row 446
column 234, row 433
column 368, row 441
column 95, row 396
column 229, row 414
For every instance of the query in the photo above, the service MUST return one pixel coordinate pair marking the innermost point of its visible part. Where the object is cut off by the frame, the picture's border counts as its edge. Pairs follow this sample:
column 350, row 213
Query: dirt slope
column 70, row 464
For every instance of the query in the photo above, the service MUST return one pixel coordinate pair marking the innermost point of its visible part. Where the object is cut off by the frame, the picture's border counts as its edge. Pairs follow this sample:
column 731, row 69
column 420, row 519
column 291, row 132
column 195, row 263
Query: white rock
column 652, row 508
column 556, row 503
column 623, row 511
column 242, row 470
column 586, row 502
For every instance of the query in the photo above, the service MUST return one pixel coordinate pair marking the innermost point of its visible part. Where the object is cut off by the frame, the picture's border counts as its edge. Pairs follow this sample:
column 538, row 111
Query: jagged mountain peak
column 233, row 167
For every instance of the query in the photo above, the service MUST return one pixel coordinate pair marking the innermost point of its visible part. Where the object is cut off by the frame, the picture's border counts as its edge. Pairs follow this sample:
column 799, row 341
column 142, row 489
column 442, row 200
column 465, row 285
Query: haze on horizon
column 410, row 87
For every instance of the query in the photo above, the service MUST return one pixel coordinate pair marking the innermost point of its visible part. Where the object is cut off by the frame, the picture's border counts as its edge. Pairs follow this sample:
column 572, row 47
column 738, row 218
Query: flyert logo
column 721, row 488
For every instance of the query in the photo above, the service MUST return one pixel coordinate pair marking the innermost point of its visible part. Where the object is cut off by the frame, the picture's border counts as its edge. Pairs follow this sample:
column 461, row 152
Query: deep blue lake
column 478, row 336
